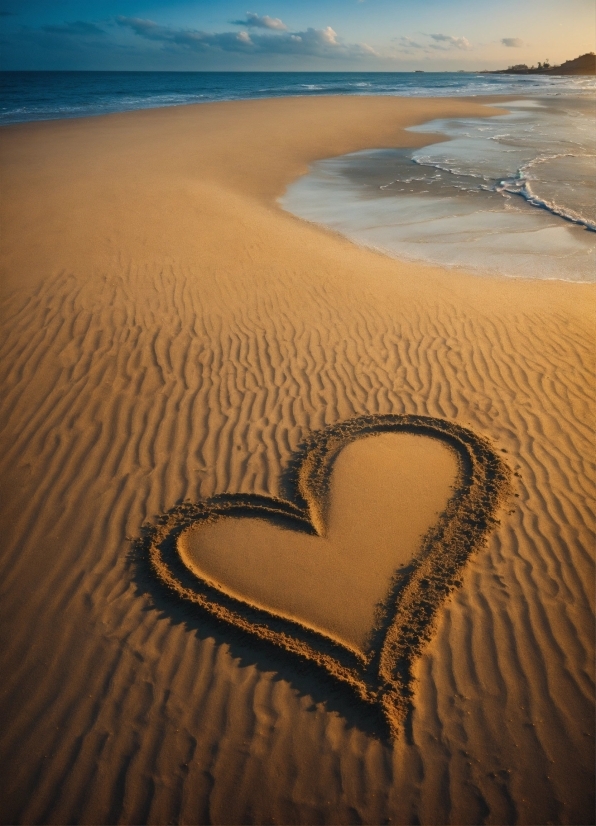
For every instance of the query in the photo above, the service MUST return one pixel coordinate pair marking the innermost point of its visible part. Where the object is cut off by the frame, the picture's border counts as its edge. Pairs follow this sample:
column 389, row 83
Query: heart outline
column 384, row 677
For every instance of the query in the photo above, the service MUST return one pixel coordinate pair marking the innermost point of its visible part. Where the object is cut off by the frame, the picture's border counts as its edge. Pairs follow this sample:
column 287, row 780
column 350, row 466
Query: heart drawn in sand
column 349, row 571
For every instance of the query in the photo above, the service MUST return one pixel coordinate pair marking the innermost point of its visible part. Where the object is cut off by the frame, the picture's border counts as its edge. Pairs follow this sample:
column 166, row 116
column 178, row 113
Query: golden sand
column 349, row 572
column 168, row 334
column 382, row 505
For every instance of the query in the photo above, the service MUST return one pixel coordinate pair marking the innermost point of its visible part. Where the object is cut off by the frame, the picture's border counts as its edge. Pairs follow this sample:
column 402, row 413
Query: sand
column 169, row 333
column 382, row 504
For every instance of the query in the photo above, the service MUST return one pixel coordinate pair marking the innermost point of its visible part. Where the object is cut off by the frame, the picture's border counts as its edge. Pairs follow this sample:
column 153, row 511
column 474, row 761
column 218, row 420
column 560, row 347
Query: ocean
column 513, row 195
column 26, row 96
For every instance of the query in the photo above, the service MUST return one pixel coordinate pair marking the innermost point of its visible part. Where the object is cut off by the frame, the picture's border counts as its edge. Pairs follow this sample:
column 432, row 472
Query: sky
column 292, row 35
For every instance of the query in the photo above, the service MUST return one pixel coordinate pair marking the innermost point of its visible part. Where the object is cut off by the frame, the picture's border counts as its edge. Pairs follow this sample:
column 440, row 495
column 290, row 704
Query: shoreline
column 52, row 96
column 172, row 334
column 269, row 194
column 373, row 198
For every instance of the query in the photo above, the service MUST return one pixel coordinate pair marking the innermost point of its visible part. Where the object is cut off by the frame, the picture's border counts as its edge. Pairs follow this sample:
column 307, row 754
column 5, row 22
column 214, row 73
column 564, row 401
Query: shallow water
column 513, row 195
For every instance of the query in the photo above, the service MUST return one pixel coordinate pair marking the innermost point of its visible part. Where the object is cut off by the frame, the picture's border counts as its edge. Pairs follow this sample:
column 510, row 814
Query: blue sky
column 317, row 35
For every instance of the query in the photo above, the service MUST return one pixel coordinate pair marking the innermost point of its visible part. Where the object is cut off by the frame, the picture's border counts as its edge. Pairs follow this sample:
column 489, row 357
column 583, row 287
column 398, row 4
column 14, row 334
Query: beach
column 170, row 333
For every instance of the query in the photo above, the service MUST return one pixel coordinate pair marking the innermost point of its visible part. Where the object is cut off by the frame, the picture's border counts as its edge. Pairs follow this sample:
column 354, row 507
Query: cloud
column 312, row 42
column 407, row 44
column 450, row 42
column 512, row 42
column 264, row 22
column 78, row 28
column 188, row 38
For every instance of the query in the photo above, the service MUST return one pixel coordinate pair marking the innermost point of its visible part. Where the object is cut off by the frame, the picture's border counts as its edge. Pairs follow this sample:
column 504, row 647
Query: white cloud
column 329, row 36
column 314, row 42
column 451, row 42
column 512, row 42
column 264, row 22
column 431, row 44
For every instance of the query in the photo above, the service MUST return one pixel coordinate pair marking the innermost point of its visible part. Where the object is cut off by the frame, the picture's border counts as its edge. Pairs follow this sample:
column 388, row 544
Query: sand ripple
column 153, row 402
column 141, row 382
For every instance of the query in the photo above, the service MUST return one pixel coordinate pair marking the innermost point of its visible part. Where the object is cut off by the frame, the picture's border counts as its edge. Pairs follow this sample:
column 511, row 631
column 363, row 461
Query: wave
column 517, row 184
column 520, row 185
column 452, row 202
column 451, row 170
column 53, row 95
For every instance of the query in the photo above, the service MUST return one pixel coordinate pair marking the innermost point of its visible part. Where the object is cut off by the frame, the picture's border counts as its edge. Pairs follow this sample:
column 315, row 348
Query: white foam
column 514, row 202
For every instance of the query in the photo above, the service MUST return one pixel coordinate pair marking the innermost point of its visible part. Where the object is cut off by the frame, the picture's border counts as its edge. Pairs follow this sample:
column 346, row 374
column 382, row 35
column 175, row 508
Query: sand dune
column 169, row 334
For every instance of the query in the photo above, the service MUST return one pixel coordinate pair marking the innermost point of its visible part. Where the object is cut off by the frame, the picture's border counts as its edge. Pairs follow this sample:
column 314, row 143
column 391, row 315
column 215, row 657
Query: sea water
column 26, row 96
column 513, row 195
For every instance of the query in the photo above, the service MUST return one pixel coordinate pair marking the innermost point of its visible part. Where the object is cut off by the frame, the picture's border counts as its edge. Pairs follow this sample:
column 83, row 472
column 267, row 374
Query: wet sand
column 169, row 333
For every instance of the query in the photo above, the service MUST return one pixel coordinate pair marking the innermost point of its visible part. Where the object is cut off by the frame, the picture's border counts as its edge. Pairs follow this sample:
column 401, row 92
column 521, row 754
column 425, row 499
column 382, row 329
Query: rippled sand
column 170, row 333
